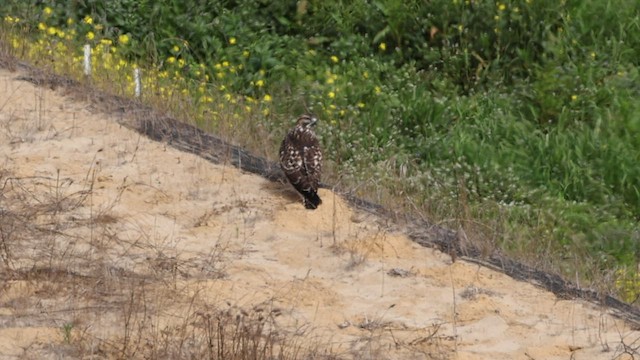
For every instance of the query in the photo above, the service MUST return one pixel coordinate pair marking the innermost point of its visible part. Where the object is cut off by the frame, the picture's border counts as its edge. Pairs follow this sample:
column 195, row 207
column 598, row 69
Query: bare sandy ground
column 139, row 242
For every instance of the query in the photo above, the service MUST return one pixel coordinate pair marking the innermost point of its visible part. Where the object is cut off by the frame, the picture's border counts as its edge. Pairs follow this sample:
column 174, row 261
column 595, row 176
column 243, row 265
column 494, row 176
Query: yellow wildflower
column 106, row 42
column 90, row 35
column 227, row 96
column 332, row 94
column 502, row 7
column 334, row 59
column 181, row 63
column 245, row 54
column 171, row 59
column 377, row 90
column 52, row 30
column 361, row 105
column 70, row 21
column 574, row 97
column 176, row 48
column 47, row 11
column 232, row 41
column 260, row 83
column 382, row 46
column 267, row 98
column 88, row 20
column 225, row 63
column 123, row 39
column 266, row 112
column 42, row 26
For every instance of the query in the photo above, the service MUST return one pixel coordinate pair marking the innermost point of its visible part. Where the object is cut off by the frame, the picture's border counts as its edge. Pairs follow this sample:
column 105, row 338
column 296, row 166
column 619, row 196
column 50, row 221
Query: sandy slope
column 209, row 236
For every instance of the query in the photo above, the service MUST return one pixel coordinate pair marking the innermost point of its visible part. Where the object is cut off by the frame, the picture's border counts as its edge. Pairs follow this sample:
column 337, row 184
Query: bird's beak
column 314, row 120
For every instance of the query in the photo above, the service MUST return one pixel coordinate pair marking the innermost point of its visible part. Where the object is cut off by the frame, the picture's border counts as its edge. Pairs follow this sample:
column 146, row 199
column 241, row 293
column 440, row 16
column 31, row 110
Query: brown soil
column 114, row 245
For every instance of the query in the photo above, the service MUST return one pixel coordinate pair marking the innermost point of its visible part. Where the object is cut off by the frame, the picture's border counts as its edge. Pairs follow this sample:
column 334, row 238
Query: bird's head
column 307, row 121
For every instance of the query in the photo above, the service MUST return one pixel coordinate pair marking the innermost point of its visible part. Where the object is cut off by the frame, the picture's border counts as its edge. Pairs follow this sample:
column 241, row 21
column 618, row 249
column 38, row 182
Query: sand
column 140, row 223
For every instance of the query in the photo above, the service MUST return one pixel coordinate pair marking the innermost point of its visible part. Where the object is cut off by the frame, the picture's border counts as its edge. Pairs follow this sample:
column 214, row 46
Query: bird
column 301, row 159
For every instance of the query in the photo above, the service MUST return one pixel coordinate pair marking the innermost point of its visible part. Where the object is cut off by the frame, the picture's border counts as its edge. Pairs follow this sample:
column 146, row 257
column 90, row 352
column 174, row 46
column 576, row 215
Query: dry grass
column 54, row 245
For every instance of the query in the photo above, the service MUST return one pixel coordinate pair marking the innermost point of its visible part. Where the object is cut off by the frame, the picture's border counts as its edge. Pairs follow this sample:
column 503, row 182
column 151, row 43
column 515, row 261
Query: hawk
column 301, row 160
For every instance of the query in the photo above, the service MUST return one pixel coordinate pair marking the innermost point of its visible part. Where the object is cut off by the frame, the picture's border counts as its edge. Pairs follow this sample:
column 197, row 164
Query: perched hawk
column 301, row 160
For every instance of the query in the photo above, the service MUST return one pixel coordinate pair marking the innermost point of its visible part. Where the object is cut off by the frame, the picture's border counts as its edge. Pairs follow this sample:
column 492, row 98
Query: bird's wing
column 312, row 164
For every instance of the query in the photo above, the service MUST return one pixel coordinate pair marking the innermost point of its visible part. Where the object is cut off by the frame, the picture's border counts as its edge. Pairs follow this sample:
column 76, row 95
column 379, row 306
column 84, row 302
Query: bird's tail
column 311, row 199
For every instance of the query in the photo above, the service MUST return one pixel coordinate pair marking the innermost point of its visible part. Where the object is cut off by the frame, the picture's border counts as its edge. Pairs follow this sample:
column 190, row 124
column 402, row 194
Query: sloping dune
column 114, row 245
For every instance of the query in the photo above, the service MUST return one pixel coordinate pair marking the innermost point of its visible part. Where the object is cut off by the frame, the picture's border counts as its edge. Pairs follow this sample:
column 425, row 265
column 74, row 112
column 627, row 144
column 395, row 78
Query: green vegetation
column 518, row 121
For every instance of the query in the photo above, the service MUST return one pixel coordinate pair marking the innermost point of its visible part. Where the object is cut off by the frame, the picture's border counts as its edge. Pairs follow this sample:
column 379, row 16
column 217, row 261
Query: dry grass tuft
column 55, row 244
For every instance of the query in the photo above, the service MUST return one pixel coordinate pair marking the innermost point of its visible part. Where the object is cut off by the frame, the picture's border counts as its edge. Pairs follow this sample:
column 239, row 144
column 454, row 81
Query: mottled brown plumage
column 301, row 160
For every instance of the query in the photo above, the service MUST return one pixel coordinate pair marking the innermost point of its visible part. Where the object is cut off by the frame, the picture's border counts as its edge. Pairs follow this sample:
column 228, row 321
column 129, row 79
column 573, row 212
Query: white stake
column 87, row 59
column 138, row 83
